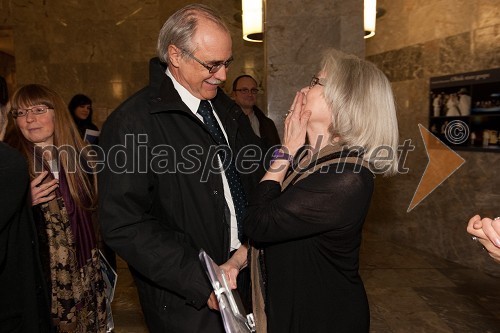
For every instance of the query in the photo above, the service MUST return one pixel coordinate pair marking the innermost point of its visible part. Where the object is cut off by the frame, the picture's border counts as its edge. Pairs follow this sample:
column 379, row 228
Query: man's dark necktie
column 223, row 151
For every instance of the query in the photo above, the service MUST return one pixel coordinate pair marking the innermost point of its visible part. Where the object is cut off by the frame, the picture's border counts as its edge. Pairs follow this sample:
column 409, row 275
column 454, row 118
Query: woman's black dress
column 312, row 235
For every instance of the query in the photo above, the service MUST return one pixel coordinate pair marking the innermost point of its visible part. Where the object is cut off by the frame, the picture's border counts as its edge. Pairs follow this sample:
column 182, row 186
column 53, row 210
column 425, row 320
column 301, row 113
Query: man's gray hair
column 180, row 28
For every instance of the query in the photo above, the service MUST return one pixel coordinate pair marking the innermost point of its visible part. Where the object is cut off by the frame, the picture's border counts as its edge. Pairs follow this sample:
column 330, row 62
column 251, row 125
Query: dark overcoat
column 24, row 305
column 161, row 198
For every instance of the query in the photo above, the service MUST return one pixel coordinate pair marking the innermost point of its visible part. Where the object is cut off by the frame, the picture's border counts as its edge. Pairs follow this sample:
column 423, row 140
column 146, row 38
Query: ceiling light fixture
column 253, row 27
column 370, row 17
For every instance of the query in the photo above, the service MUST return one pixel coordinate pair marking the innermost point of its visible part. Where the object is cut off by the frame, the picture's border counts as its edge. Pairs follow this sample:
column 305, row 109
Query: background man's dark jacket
column 267, row 128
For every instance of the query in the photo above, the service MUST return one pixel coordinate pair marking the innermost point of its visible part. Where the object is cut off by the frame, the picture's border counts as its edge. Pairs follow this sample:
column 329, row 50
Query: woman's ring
column 474, row 238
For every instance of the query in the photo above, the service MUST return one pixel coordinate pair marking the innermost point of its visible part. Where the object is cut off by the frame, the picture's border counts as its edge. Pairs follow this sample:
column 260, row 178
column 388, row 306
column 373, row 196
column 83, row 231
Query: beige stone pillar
column 296, row 33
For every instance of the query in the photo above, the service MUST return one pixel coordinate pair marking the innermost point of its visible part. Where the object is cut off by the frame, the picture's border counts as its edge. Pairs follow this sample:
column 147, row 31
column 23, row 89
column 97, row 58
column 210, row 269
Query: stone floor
column 409, row 292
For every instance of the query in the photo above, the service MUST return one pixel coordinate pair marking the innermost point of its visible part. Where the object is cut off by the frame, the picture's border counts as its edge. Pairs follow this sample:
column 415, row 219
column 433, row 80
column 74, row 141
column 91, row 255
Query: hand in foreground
column 41, row 193
column 231, row 268
column 294, row 135
column 487, row 232
column 234, row 265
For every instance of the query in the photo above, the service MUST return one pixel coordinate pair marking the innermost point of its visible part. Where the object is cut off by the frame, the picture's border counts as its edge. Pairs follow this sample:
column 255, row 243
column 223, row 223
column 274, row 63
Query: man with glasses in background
column 172, row 184
column 245, row 95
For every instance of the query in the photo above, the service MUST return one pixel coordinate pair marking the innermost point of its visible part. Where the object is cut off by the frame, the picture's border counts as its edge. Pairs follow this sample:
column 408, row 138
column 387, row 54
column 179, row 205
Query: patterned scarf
column 77, row 293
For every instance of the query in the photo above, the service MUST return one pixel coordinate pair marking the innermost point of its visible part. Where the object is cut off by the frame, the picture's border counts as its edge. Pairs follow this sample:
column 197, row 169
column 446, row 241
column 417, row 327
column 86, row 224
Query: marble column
column 296, row 32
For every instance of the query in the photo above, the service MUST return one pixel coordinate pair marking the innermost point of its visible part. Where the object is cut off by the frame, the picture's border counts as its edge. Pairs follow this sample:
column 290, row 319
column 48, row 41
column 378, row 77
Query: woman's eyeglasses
column 247, row 91
column 36, row 110
column 314, row 81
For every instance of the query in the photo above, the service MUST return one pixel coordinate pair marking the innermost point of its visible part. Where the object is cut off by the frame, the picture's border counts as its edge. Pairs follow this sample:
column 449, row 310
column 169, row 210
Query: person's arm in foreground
column 487, row 232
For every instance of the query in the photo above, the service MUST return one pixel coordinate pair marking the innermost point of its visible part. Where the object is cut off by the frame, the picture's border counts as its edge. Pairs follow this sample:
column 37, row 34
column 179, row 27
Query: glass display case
column 464, row 110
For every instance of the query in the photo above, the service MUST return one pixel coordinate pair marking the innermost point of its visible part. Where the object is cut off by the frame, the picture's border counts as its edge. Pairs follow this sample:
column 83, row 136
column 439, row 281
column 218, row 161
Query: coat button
column 215, row 192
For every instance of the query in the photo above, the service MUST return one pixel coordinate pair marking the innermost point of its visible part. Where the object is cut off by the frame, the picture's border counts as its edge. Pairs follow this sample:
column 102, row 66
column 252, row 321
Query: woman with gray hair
column 307, row 213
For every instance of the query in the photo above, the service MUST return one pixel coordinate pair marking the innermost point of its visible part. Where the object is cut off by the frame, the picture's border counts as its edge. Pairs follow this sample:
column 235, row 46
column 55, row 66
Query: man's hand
column 231, row 268
column 212, row 302
column 235, row 264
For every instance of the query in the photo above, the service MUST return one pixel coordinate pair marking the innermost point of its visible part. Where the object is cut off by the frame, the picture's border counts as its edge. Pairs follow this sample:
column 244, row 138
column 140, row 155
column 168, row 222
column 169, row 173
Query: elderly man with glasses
column 173, row 182
column 245, row 95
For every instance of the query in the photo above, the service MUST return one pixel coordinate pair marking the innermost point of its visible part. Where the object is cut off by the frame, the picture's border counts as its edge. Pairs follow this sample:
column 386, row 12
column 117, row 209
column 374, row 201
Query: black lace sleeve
column 322, row 202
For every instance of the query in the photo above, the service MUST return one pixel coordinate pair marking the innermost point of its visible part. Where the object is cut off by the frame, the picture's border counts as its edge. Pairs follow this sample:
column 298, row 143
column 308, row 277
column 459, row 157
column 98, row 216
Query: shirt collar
column 192, row 102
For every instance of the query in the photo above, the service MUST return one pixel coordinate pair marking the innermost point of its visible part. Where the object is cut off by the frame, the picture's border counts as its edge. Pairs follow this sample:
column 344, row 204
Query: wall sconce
column 370, row 16
column 117, row 87
column 253, row 28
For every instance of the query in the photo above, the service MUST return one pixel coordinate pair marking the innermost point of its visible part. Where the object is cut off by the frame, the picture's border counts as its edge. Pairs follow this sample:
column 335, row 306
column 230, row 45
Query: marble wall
column 296, row 34
column 102, row 48
column 416, row 40
column 8, row 69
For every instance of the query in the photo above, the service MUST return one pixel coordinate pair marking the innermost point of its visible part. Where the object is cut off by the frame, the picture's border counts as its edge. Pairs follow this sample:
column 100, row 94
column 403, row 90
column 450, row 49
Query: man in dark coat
column 245, row 95
column 163, row 195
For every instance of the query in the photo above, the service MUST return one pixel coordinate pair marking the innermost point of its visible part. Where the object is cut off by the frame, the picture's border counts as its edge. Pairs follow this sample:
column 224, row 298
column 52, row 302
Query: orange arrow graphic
column 443, row 162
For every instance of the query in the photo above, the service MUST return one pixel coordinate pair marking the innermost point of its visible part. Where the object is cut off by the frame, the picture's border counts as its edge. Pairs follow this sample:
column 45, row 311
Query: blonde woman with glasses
column 307, row 214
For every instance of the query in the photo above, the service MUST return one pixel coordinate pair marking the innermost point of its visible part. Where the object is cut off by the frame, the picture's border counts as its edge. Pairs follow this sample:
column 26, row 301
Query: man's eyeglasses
column 36, row 110
column 212, row 69
column 246, row 91
column 314, row 81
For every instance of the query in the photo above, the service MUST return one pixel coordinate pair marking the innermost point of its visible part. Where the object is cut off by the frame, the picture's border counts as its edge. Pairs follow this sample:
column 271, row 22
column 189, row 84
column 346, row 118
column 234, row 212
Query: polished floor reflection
column 412, row 291
column 408, row 290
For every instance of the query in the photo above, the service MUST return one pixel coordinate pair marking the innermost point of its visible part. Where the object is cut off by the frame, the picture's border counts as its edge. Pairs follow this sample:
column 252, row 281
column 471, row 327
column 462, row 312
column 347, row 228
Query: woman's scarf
column 78, row 302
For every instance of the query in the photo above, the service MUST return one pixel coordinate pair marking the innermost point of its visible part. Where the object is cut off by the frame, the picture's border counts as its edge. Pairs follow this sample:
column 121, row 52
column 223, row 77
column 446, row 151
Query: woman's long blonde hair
column 363, row 108
column 72, row 152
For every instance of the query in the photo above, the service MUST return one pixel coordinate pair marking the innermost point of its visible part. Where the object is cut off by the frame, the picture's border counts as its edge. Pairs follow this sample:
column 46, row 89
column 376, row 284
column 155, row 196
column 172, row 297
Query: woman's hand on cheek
column 296, row 125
